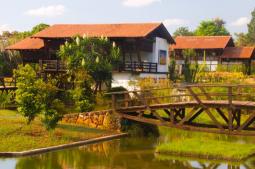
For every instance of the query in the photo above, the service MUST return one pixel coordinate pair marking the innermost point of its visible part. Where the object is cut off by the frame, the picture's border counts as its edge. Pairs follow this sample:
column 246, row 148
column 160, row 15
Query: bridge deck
column 230, row 111
column 207, row 103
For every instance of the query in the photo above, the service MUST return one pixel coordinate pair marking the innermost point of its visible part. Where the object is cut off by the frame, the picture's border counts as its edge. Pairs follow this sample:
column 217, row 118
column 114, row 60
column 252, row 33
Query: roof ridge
column 127, row 23
column 203, row 36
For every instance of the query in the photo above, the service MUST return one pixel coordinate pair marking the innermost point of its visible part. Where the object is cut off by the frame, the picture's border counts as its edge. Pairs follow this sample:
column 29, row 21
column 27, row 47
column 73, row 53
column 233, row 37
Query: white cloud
column 139, row 3
column 47, row 11
column 175, row 22
column 241, row 21
column 5, row 27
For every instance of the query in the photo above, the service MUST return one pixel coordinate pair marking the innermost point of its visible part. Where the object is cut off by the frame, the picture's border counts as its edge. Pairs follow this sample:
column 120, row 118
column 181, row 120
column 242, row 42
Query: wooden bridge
column 7, row 84
column 226, row 109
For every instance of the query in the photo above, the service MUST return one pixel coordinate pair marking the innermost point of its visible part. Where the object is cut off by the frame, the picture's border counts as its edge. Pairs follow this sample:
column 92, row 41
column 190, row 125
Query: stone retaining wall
column 99, row 119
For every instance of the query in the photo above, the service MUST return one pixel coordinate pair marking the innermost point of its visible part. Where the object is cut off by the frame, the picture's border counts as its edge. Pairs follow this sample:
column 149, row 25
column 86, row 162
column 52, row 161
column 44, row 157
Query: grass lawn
column 16, row 135
column 209, row 146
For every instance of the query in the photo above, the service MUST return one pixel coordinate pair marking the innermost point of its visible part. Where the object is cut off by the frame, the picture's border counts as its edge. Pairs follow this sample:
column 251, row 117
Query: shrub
column 189, row 70
column 232, row 68
column 82, row 93
column 6, row 99
column 151, row 83
column 36, row 97
column 220, row 77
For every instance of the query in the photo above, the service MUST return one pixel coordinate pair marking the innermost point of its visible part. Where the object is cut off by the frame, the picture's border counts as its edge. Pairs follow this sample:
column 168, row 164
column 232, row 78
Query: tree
column 247, row 39
column 35, row 97
column 14, row 37
column 39, row 28
column 172, row 68
column 190, row 70
column 183, row 31
column 214, row 27
column 251, row 29
column 96, row 56
column 242, row 39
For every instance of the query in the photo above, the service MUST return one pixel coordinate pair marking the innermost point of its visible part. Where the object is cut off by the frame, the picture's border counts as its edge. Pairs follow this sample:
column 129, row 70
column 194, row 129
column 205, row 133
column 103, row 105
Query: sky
column 22, row 15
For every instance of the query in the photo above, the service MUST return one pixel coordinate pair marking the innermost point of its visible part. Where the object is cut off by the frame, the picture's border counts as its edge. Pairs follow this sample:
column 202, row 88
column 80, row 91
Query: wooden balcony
column 139, row 67
column 52, row 66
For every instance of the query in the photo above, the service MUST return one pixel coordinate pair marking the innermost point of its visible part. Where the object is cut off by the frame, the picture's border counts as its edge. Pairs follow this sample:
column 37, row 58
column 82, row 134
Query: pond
column 126, row 153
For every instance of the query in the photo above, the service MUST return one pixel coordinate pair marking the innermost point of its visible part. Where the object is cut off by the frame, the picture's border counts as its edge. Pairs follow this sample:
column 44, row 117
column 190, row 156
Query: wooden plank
column 221, row 113
column 213, row 118
column 208, row 97
column 114, row 102
column 188, row 116
column 200, row 111
column 247, row 122
column 193, row 94
column 230, row 109
column 186, row 127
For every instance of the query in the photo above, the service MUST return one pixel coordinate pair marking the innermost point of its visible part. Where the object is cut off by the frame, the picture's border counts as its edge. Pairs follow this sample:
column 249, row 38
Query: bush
column 36, row 97
column 232, row 68
column 152, row 83
column 220, row 77
column 82, row 93
column 6, row 99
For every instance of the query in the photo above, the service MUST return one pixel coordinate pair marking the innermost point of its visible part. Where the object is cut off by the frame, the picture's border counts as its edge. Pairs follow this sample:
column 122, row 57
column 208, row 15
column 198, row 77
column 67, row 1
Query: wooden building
column 144, row 47
column 239, row 55
column 208, row 48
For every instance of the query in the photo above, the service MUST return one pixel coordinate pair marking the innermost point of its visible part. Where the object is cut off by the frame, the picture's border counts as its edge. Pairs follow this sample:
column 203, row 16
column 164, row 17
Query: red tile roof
column 27, row 44
column 202, row 42
column 98, row 30
column 238, row 53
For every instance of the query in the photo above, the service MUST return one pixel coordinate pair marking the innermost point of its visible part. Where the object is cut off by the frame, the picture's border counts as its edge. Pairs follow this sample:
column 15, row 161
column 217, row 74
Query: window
column 162, row 57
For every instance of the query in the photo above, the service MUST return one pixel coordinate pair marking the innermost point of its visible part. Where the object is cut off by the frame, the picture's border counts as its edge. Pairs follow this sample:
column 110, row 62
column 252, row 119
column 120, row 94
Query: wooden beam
column 247, row 122
column 200, row 111
column 188, row 116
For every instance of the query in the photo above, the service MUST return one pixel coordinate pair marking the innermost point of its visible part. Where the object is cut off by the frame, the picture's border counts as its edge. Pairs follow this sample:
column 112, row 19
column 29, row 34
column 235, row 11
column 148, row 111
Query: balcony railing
column 142, row 67
column 52, row 66
column 138, row 67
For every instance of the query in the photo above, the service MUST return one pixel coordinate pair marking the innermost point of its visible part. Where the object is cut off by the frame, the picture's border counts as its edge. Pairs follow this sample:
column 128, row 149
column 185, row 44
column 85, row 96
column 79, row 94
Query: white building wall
column 161, row 44
column 125, row 79
column 212, row 65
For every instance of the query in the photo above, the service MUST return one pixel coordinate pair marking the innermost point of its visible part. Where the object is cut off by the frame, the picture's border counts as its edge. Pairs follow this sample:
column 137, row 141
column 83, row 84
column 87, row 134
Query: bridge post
column 230, row 109
column 113, row 102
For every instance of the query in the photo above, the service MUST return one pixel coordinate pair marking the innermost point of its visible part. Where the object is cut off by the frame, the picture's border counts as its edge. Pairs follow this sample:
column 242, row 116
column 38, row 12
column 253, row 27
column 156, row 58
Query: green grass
column 208, row 146
column 16, row 135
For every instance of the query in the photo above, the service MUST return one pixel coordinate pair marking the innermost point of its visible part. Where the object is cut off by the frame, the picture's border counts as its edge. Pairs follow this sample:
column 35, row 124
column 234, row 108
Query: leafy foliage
column 214, row 27
column 189, row 70
column 247, row 39
column 251, row 29
column 183, row 31
column 242, row 39
column 220, row 77
column 36, row 97
column 96, row 56
column 172, row 71
column 82, row 93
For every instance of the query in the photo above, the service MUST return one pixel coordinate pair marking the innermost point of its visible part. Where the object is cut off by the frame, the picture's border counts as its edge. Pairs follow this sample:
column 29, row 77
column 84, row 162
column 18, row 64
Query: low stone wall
column 98, row 119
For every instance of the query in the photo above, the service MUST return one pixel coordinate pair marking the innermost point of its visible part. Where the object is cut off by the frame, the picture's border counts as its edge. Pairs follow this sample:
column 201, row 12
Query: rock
column 101, row 119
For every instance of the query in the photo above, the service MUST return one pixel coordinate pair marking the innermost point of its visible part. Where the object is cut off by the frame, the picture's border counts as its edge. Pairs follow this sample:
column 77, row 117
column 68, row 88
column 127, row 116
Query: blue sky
column 24, row 14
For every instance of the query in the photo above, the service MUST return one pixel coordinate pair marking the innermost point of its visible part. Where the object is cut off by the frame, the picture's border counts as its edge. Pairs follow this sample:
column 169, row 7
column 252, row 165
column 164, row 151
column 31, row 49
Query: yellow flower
column 78, row 41
column 83, row 62
column 114, row 44
column 97, row 59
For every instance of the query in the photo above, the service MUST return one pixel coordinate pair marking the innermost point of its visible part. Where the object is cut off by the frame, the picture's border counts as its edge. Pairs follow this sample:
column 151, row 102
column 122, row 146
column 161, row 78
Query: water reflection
column 129, row 153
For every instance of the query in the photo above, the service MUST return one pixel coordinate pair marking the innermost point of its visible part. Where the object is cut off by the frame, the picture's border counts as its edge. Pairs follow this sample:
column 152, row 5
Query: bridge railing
column 198, row 93
column 230, row 108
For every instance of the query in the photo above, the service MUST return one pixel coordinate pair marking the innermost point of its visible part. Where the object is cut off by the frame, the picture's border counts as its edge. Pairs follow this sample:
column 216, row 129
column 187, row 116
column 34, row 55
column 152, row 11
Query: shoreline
column 61, row 147
column 203, row 156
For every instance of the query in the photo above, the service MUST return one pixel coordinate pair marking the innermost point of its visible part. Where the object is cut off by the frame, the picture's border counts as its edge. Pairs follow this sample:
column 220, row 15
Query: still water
column 126, row 153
